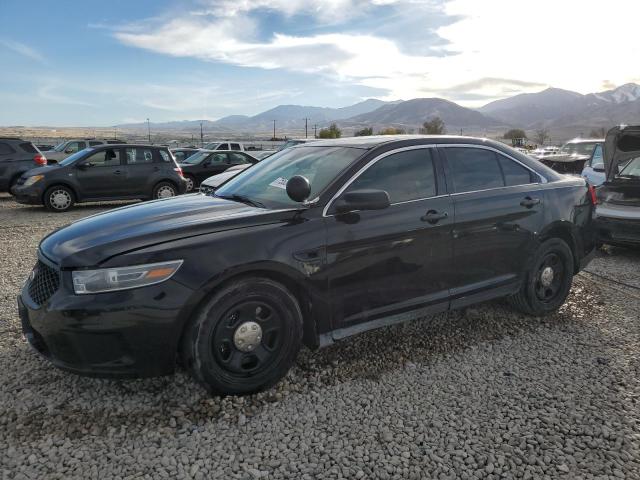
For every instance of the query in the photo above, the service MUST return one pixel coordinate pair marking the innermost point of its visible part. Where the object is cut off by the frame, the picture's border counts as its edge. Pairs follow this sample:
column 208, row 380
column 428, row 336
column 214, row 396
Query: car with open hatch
column 99, row 173
column 313, row 244
column 618, row 209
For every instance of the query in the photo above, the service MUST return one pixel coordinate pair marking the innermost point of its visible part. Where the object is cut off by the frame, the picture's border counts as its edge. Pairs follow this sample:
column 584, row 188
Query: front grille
column 44, row 284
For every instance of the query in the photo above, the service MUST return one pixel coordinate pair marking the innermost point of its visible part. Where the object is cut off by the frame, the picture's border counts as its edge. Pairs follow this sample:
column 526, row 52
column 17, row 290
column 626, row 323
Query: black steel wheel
column 245, row 338
column 547, row 283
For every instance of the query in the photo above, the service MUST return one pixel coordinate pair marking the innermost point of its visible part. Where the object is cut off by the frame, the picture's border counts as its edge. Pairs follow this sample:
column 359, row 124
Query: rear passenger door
column 498, row 207
column 141, row 170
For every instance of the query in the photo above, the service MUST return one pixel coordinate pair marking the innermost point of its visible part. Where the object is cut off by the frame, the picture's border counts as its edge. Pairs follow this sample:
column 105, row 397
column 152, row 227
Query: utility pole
column 460, row 132
column 201, row 137
column 149, row 130
column 315, row 131
column 306, row 120
column 274, row 130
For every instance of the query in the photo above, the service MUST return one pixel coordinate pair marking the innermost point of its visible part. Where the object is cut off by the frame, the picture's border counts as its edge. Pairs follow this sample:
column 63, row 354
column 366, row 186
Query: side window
column 105, row 158
column 28, row 147
column 6, row 149
column 514, row 173
column 94, row 143
column 139, row 155
column 407, row 175
column 597, row 156
column 164, row 155
column 223, row 146
column 217, row 158
column 238, row 158
column 473, row 169
column 235, row 146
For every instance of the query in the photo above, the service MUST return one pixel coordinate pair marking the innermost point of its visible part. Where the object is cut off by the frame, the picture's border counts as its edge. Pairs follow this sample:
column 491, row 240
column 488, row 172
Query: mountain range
column 556, row 109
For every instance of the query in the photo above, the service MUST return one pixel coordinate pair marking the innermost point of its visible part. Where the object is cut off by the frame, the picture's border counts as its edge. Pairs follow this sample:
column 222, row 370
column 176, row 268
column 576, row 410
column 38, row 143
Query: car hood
column 93, row 240
column 564, row 157
column 40, row 170
column 621, row 144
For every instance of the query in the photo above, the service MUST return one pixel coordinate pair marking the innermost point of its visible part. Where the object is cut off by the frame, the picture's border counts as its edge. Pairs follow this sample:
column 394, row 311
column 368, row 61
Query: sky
column 96, row 63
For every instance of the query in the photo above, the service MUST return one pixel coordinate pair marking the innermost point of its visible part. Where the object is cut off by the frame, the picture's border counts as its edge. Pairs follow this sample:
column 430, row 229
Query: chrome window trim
column 368, row 165
column 499, row 152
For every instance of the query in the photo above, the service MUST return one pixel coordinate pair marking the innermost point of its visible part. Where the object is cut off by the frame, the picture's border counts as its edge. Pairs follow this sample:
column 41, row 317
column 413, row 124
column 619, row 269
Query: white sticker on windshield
column 279, row 183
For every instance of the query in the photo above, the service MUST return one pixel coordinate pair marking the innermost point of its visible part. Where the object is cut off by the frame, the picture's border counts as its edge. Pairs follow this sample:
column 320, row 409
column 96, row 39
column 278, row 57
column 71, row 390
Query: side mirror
column 298, row 188
column 598, row 167
column 362, row 200
column 85, row 165
column 69, row 150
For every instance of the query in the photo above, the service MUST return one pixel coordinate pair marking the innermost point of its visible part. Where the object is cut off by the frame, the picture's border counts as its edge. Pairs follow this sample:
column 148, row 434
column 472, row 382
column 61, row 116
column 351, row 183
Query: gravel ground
column 483, row 393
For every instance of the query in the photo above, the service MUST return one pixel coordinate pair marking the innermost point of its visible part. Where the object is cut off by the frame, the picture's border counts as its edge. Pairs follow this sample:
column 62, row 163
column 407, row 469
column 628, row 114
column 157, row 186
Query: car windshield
column 583, row 148
column 196, row 158
column 72, row 158
column 212, row 146
column 59, row 147
column 265, row 182
column 632, row 169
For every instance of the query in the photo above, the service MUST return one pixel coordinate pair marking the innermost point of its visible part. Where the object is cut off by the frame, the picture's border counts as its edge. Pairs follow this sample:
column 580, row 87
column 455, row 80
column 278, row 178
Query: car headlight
column 33, row 179
column 123, row 278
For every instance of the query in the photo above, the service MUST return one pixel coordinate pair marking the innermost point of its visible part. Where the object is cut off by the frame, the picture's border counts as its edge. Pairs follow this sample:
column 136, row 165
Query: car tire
column 192, row 183
column 164, row 190
column 245, row 338
column 547, row 283
column 58, row 198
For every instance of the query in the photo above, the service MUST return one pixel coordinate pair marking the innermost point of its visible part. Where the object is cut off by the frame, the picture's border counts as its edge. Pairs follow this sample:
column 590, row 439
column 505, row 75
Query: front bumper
column 127, row 334
column 31, row 195
column 618, row 225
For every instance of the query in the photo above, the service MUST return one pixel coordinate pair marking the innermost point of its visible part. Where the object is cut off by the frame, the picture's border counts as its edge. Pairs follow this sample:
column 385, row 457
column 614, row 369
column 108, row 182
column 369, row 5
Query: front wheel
column 245, row 339
column 548, row 281
column 58, row 198
column 164, row 190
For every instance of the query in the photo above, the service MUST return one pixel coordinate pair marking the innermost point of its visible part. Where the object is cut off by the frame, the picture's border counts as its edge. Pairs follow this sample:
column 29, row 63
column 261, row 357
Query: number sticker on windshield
column 279, row 183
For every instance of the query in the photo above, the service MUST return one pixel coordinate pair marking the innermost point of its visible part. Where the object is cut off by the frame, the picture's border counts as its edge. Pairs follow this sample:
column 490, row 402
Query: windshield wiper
column 243, row 199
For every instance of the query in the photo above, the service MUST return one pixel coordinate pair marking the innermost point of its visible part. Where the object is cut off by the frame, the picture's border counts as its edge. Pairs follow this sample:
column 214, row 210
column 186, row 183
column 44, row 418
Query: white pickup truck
column 237, row 146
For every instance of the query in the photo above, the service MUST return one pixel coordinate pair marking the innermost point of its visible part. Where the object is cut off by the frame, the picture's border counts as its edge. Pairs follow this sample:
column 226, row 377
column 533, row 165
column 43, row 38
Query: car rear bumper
column 126, row 334
column 618, row 225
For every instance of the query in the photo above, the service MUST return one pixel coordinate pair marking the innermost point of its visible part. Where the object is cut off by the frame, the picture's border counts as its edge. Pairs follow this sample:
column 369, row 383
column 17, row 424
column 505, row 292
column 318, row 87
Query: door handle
column 117, row 172
column 529, row 202
column 433, row 217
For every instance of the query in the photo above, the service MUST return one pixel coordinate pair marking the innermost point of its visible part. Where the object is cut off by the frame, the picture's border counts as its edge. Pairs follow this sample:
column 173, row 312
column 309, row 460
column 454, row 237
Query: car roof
column 372, row 141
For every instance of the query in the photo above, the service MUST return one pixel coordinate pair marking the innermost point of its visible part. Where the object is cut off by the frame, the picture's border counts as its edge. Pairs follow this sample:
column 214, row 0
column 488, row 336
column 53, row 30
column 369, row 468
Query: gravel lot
column 484, row 393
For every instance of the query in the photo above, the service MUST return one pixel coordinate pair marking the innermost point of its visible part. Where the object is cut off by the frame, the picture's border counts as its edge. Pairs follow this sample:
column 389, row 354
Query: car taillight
column 593, row 195
column 40, row 159
column 179, row 170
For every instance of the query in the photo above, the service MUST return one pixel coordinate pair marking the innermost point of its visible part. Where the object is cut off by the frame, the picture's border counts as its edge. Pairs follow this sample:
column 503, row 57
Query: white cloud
column 494, row 48
column 23, row 50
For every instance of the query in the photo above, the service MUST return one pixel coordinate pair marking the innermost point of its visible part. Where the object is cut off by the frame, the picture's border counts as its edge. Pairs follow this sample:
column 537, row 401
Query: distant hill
column 417, row 111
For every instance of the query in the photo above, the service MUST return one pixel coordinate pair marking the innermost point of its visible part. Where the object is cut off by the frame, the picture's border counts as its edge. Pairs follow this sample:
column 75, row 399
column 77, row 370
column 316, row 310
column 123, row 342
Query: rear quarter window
column 28, row 147
column 164, row 155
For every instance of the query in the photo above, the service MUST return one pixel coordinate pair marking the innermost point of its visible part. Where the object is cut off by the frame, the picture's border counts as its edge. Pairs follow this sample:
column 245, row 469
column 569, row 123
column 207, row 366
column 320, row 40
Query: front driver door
column 388, row 263
column 104, row 174
column 212, row 165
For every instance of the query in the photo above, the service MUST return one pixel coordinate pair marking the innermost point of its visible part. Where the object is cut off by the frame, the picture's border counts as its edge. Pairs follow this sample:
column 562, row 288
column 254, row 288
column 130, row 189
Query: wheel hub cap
column 546, row 277
column 247, row 336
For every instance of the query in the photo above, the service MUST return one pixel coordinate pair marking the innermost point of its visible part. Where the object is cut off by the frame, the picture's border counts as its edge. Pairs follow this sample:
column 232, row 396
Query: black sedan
column 311, row 245
column 205, row 163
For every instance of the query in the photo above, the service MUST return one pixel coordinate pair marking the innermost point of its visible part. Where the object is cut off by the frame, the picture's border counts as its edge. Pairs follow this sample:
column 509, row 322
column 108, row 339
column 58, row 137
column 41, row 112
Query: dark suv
column 309, row 246
column 17, row 157
column 104, row 172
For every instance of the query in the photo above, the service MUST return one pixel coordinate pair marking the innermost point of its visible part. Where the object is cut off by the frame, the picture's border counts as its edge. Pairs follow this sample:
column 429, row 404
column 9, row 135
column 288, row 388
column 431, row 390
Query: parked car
column 235, row 146
column 44, row 146
column 181, row 154
column 572, row 156
column 69, row 147
column 312, row 245
column 618, row 210
column 211, row 184
column 206, row 163
column 542, row 152
column 103, row 172
column 16, row 157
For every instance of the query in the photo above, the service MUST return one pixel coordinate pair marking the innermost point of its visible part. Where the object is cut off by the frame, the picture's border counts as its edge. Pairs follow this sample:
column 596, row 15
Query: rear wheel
column 58, row 198
column 244, row 339
column 164, row 190
column 548, row 282
column 191, row 183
